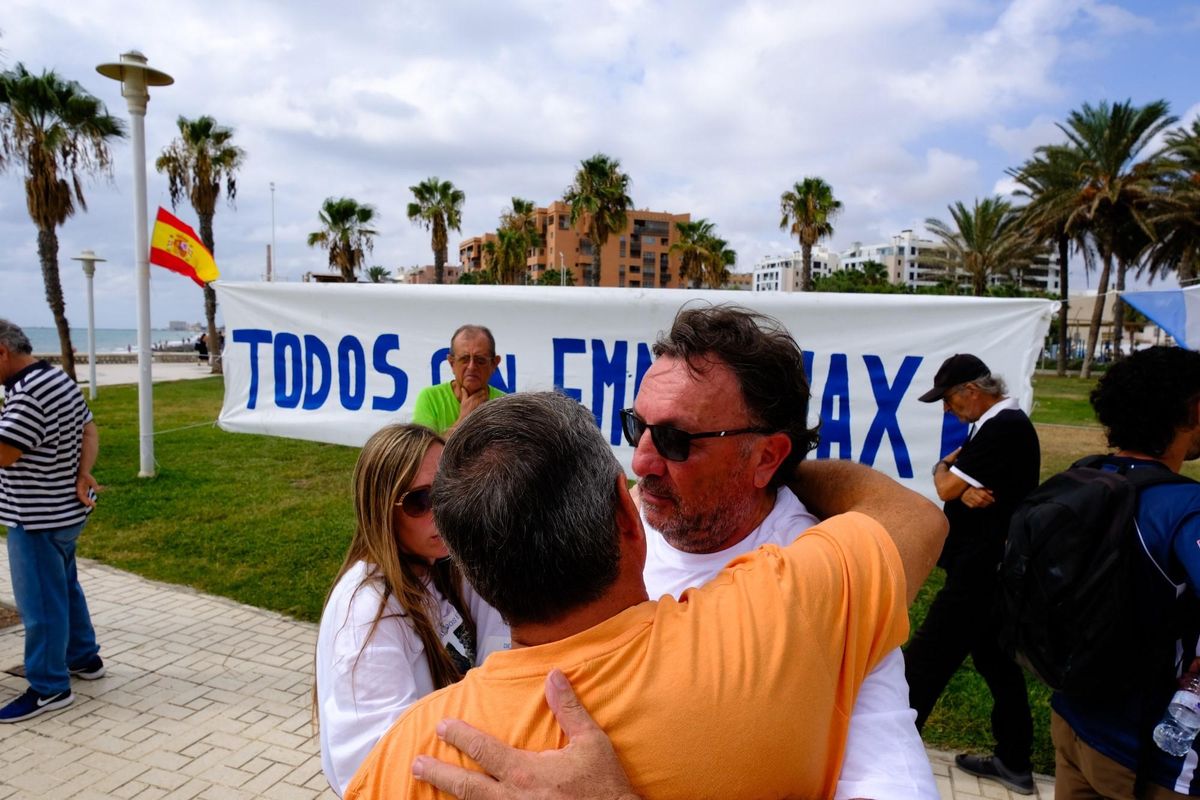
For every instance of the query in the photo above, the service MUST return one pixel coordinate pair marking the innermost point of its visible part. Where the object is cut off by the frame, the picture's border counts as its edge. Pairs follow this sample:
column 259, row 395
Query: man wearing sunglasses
column 738, row 690
column 473, row 359
column 719, row 423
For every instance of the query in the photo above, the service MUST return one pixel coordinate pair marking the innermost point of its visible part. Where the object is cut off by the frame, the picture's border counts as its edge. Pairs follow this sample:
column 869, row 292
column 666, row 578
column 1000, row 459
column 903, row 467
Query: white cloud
column 713, row 108
column 1018, row 143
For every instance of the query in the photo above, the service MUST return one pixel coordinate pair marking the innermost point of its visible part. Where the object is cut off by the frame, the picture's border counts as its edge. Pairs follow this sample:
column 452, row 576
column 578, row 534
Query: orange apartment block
column 637, row 257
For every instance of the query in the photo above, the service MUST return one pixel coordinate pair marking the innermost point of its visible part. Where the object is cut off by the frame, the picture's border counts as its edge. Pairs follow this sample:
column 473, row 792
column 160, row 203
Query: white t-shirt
column 885, row 757
column 361, row 691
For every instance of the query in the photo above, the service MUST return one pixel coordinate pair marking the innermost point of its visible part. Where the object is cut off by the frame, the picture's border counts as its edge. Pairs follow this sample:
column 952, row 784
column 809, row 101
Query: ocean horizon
column 108, row 340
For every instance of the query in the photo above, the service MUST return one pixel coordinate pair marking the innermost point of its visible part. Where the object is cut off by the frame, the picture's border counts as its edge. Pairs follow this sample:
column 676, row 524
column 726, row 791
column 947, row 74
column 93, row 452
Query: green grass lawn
column 266, row 521
column 260, row 519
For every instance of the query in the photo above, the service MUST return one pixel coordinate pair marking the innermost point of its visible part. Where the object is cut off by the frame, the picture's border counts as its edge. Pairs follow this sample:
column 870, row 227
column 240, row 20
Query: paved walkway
column 204, row 698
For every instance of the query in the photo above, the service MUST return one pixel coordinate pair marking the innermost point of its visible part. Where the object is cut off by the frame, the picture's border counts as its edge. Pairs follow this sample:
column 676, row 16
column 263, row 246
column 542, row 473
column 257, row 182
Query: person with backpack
column 981, row 484
column 1149, row 405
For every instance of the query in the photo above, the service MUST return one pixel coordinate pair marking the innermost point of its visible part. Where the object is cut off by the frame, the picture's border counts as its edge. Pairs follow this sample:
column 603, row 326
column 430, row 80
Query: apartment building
column 907, row 259
column 782, row 273
column 637, row 257
column 427, row 273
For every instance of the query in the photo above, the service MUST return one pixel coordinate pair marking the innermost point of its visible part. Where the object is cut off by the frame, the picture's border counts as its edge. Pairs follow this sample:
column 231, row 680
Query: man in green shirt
column 473, row 358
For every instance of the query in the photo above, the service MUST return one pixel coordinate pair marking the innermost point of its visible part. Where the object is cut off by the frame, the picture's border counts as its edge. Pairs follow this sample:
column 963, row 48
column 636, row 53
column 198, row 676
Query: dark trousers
column 960, row 622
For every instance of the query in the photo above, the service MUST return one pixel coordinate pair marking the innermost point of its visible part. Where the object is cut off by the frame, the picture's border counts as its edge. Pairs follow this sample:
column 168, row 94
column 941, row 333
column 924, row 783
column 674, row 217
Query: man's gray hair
column 525, row 498
column 991, row 384
column 13, row 339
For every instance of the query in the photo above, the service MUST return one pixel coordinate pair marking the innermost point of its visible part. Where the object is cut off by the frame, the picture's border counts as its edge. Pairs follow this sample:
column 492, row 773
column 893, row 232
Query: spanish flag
column 177, row 247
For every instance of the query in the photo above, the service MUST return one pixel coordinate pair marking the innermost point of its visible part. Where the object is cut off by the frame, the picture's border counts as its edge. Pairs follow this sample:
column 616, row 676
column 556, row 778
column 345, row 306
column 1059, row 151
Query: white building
column 782, row 273
column 907, row 259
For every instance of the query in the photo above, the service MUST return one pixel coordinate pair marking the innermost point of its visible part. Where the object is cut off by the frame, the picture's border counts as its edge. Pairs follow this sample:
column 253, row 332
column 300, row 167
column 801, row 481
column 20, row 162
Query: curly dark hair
column 766, row 361
column 1143, row 400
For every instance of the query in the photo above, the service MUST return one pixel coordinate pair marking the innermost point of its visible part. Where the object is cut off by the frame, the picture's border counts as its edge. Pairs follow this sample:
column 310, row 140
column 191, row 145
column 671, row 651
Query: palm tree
column 599, row 199
column 1115, row 183
column 984, row 240
column 57, row 133
column 438, row 208
column 196, row 164
column 691, row 249
column 808, row 208
column 377, row 274
column 1175, row 212
column 1050, row 181
column 345, row 233
column 521, row 220
column 718, row 258
column 506, row 255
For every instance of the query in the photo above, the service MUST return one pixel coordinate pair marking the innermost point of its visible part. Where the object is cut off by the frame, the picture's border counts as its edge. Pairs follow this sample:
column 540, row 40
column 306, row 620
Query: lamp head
column 131, row 68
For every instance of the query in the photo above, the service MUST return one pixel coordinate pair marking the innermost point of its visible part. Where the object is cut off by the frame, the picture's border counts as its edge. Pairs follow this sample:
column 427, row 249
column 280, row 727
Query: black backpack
column 1072, row 610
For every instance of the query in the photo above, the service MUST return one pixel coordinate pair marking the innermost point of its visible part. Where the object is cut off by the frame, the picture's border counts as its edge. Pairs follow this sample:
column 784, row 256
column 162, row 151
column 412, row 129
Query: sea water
column 108, row 340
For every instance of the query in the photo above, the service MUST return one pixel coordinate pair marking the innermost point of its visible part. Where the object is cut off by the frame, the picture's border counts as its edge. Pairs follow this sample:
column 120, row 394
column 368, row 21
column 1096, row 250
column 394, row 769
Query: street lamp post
column 89, row 261
column 135, row 76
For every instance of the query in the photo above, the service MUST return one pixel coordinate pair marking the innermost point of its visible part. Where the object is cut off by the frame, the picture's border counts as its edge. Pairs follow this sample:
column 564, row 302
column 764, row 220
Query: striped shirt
column 43, row 416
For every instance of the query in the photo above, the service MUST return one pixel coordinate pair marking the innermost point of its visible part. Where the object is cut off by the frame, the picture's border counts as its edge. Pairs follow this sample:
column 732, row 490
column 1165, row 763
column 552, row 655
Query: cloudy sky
column 713, row 108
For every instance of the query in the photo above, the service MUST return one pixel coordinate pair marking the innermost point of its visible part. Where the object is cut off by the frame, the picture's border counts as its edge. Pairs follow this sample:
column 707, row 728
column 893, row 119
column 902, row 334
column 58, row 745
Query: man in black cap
column 981, row 483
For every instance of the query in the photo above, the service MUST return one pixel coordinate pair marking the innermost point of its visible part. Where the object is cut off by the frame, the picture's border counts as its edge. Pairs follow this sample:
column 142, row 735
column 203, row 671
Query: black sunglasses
column 671, row 443
column 416, row 502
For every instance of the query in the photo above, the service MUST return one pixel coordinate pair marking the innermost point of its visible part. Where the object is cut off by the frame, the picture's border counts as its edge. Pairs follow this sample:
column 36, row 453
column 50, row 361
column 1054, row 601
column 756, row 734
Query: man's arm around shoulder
column 917, row 527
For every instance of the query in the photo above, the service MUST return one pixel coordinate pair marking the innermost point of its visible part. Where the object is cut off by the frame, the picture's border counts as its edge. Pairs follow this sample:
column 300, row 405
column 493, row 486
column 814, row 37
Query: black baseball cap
column 957, row 369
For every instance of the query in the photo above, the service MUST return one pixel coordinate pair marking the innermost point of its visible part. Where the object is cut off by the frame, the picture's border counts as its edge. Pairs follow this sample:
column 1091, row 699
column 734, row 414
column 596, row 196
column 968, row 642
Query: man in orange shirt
column 741, row 688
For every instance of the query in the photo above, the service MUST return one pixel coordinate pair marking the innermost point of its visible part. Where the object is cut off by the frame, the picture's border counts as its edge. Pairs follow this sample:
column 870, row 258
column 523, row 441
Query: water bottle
column 1180, row 724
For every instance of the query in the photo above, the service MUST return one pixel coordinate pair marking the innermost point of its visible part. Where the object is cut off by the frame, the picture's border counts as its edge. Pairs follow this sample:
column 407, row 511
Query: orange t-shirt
column 742, row 688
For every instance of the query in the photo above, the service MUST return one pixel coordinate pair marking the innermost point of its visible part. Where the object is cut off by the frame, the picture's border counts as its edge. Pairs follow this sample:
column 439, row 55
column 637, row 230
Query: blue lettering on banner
column 303, row 370
column 954, row 433
column 644, row 360
column 352, row 396
column 562, row 349
column 384, row 345
column 835, row 427
column 609, row 372
column 435, row 365
column 253, row 337
column 887, row 402
column 316, row 354
column 287, row 354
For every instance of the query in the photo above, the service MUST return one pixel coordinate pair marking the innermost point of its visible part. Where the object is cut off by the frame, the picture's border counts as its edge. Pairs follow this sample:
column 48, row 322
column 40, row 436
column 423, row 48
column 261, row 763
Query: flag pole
column 135, row 76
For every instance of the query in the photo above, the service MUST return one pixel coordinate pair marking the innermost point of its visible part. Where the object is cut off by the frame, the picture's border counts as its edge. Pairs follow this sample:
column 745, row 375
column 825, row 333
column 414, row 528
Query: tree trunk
column 1097, row 314
column 1119, row 311
column 1063, row 271
column 805, row 267
column 48, row 255
column 439, row 265
column 210, row 300
column 594, row 276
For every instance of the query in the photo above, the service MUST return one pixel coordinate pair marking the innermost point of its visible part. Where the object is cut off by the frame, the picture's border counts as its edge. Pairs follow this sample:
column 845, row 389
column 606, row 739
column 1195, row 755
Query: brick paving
column 204, row 698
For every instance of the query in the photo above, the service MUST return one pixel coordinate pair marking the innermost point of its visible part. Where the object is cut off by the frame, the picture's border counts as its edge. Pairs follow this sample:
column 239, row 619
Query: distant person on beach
column 400, row 621
column 202, row 349
column 48, row 445
column 473, row 359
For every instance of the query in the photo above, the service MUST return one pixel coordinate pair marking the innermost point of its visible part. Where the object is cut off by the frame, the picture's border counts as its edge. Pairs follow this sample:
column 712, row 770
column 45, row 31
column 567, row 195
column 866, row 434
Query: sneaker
column 90, row 670
column 993, row 768
column 32, row 703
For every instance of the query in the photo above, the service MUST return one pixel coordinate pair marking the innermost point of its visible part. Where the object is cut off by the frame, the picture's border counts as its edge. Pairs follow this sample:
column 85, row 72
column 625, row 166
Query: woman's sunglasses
column 416, row 502
column 671, row 443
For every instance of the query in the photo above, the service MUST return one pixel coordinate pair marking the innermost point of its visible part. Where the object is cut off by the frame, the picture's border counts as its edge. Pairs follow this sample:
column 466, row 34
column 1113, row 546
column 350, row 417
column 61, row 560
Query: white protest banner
column 335, row 362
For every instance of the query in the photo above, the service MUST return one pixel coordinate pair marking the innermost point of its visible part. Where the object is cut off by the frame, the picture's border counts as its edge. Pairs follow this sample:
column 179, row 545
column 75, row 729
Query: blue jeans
column 58, row 628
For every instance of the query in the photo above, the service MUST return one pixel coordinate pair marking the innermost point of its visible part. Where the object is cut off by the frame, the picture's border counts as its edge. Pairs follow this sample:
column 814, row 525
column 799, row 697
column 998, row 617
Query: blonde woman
column 400, row 621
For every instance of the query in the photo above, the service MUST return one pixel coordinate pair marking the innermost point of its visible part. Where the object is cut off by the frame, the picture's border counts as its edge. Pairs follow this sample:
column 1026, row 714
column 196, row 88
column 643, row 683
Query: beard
column 692, row 527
